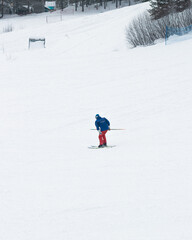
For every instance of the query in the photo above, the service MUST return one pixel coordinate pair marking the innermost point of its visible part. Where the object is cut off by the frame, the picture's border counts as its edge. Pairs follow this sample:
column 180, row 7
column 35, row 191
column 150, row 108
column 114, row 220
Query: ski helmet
column 97, row 116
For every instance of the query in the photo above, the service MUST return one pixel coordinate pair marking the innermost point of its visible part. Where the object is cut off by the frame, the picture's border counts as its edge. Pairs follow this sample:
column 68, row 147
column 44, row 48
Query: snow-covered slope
column 51, row 185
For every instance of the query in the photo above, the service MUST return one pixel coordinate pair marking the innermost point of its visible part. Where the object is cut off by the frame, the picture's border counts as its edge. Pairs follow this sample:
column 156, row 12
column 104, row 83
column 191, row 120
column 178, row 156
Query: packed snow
column 52, row 186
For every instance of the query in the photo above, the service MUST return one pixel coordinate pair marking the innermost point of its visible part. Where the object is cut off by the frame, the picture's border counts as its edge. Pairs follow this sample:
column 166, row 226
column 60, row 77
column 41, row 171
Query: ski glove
column 99, row 131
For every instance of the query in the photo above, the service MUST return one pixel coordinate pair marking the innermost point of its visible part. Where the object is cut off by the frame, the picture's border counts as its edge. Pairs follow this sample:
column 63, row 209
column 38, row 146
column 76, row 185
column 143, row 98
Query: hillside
column 51, row 185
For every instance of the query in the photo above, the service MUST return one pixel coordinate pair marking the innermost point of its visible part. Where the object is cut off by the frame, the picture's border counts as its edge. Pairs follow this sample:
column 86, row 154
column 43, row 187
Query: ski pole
column 111, row 129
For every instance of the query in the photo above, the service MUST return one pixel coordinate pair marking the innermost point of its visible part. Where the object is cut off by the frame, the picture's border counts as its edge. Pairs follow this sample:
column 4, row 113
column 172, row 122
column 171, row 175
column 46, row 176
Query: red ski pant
column 102, row 137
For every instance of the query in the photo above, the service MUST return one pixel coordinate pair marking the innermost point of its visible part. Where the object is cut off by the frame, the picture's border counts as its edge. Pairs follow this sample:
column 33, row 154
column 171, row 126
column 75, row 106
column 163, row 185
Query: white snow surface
column 52, row 187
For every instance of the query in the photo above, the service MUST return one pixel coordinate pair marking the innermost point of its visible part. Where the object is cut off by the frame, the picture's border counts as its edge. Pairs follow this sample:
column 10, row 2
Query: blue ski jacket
column 102, row 124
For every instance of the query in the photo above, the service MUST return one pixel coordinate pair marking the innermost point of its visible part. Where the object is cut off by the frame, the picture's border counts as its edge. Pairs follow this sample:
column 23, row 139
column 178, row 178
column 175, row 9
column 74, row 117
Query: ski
column 111, row 129
column 96, row 147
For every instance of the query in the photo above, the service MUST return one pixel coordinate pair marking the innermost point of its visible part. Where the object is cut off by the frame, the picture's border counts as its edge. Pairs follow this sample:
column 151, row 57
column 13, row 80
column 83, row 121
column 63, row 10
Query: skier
column 102, row 126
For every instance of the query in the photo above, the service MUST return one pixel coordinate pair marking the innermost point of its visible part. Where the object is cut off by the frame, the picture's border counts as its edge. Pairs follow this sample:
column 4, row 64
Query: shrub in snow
column 141, row 32
column 144, row 31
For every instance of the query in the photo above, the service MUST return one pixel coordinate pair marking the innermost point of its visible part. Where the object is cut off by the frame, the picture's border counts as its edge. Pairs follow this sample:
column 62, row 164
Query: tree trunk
column 83, row 3
column 105, row 4
column 2, row 6
column 116, row 3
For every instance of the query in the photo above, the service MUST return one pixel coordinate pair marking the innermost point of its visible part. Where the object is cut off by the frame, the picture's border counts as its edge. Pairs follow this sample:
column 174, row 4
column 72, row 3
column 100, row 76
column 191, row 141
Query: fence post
column 166, row 29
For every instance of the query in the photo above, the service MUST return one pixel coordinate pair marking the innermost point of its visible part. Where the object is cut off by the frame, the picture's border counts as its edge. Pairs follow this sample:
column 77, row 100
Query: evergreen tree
column 154, row 11
column 182, row 5
column 161, row 8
